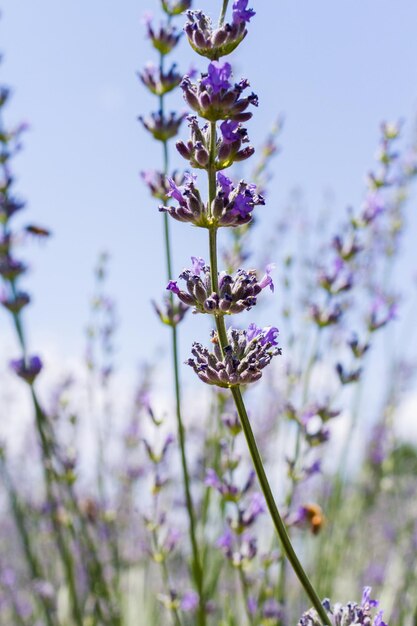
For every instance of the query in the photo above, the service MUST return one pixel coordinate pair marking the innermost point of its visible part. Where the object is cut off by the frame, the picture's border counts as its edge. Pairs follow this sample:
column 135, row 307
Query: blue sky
column 334, row 70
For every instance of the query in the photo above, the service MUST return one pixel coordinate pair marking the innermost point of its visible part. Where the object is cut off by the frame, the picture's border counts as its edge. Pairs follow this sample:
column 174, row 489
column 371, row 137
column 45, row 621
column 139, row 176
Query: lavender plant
column 107, row 547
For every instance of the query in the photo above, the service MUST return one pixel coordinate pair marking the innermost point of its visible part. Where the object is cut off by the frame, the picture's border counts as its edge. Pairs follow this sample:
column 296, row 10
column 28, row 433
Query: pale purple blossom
column 241, row 13
column 218, row 75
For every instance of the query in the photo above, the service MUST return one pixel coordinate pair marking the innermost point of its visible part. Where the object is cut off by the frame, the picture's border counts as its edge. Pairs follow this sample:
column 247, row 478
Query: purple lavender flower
column 27, row 369
column 265, row 335
column 229, row 131
column 312, row 469
column 232, row 205
column 249, row 514
column 237, row 292
column 272, row 610
column 267, row 279
column 241, row 13
column 225, row 184
column 226, row 489
column 198, row 265
column 171, row 313
column 158, row 183
column 229, row 147
column 366, row 601
column 243, row 359
column 215, row 98
column 349, row 614
column 175, row 191
column 172, row 286
column 217, row 77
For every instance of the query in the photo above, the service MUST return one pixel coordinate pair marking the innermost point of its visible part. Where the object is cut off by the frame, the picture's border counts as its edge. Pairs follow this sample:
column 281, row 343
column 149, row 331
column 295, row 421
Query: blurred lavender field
column 132, row 493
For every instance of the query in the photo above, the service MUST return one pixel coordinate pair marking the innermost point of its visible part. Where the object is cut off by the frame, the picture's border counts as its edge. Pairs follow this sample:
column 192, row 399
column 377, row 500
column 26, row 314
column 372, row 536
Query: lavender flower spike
column 244, row 357
column 237, row 292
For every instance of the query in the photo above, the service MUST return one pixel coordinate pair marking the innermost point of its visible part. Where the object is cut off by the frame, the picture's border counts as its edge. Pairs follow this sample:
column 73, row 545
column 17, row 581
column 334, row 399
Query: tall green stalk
column 241, row 409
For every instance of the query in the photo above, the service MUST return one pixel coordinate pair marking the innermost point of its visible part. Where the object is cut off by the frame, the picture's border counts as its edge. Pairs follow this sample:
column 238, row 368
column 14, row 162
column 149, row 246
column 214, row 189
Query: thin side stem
column 165, row 575
column 197, row 570
column 65, row 553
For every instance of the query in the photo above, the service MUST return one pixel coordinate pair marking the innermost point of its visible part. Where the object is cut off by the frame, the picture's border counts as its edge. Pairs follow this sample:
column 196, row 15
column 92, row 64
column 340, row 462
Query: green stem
column 273, row 509
column 241, row 409
column 297, row 452
column 223, row 12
